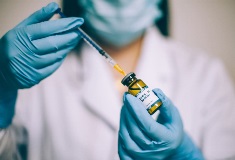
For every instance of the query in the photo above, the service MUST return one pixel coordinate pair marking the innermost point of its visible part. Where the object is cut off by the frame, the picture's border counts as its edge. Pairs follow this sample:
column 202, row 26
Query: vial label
column 147, row 97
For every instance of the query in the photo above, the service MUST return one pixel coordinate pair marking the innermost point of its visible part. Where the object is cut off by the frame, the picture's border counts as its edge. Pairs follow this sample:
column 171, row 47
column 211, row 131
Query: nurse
column 75, row 112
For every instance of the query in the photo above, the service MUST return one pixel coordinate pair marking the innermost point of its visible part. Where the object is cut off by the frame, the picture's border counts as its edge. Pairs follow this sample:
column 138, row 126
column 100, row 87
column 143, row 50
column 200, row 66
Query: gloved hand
column 36, row 47
column 32, row 51
column 143, row 138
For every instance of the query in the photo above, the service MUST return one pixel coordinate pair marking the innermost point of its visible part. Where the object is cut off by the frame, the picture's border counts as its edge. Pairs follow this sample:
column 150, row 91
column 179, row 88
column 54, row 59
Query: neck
column 127, row 57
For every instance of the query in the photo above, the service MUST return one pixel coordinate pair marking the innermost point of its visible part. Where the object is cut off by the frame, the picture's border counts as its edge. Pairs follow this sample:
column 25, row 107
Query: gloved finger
column 29, row 75
column 128, row 148
column 126, row 142
column 124, row 138
column 151, row 149
column 147, row 124
column 48, row 28
column 138, row 135
column 169, row 114
column 137, row 153
column 54, row 43
column 47, row 71
column 41, row 15
column 43, row 61
column 122, row 153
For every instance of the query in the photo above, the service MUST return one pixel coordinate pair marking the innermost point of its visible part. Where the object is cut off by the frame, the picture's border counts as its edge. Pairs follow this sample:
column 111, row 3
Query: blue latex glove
column 7, row 106
column 36, row 47
column 32, row 51
column 143, row 138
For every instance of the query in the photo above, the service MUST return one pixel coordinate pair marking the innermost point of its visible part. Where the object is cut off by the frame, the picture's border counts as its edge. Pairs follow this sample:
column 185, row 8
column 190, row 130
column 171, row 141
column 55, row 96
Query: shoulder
column 192, row 61
column 194, row 67
column 187, row 56
column 184, row 57
column 199, row 71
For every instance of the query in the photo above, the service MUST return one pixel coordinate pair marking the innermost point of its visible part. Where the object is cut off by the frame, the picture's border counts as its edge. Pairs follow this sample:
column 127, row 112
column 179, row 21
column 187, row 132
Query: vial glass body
column 140, row 90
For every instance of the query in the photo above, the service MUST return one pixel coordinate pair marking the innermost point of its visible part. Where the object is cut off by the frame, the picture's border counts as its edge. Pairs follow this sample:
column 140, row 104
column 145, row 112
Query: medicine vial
column 139, row 89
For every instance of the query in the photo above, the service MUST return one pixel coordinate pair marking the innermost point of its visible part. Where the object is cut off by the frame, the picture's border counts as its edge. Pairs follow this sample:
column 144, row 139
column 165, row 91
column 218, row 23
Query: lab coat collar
column 155, row 64
column 154, row 68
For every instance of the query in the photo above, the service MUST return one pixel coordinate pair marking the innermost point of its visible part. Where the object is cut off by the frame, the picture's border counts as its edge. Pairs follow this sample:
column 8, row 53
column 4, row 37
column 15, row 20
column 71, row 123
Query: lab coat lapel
column 98, row 91
column 155, row 66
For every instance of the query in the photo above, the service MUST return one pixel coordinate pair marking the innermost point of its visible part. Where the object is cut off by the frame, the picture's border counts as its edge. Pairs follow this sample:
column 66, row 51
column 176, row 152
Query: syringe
column 94, row 45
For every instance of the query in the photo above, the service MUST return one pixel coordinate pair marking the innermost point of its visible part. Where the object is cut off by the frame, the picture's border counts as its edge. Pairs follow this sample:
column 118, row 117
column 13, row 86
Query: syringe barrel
column 92, row 43
column 89, row 40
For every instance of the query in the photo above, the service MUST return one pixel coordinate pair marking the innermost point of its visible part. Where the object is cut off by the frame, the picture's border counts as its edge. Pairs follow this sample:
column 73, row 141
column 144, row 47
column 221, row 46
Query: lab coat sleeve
column 8, row 149
column 218, row 114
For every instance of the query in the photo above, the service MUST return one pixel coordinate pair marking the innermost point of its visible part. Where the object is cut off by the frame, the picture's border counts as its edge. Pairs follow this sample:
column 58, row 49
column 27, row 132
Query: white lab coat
column 74, row 114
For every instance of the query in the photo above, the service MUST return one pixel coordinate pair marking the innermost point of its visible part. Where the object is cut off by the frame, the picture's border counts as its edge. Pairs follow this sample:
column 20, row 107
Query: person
column 74, row 113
